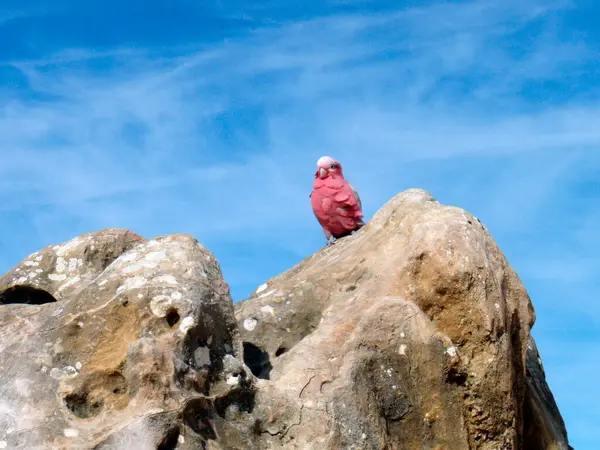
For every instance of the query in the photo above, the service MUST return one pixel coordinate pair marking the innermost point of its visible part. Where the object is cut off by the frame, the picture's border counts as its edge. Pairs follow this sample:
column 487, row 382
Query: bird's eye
column 333, row 166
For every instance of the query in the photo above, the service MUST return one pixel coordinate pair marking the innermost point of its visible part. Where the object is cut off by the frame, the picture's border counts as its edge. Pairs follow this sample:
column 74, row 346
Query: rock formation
column 412, row 334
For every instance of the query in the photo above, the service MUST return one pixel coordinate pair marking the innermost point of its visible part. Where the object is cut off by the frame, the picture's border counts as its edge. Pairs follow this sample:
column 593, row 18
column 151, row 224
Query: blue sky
column 209, row 119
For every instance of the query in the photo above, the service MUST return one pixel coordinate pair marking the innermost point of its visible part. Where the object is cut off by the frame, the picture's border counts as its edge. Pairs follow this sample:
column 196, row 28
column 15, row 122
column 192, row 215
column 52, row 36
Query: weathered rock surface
column 124, row 336
column 412, row 334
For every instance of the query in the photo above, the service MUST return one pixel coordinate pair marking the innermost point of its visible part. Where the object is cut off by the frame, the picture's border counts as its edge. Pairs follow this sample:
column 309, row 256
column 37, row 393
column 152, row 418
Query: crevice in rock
column 25, row 295
column 518, row 369
column 280, row 351
column 197, row 415
column 257, row 360
column 295, row 424
column 171, row 439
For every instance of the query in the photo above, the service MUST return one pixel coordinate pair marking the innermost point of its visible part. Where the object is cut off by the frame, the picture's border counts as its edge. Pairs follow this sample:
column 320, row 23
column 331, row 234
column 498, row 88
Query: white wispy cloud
column 345, row 85
column 448, row 97
column 137, row 124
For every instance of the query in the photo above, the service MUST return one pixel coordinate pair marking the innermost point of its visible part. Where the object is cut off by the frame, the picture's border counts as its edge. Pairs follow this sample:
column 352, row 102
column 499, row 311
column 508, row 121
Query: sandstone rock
column 412, row 334
column 63, row 269
column 108, row 341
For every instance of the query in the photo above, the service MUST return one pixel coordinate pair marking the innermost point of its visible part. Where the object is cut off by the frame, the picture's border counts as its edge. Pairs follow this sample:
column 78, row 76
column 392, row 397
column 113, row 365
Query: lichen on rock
column 115, row 352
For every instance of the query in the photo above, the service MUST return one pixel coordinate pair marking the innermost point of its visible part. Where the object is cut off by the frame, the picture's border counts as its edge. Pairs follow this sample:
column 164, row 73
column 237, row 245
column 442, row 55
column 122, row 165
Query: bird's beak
column 322, row 172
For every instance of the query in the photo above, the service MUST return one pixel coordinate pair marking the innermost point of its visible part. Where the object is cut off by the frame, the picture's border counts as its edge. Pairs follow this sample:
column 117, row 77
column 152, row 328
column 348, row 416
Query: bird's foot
column 331, row 241
column 359, row 226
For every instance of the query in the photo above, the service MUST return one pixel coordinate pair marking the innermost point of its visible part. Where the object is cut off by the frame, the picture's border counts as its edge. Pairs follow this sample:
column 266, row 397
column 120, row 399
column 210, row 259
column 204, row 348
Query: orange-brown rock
column 411, row 334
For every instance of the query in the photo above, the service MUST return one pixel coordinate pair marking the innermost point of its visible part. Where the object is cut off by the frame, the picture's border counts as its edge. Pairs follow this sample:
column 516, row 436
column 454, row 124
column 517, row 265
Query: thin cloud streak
column 94, row 110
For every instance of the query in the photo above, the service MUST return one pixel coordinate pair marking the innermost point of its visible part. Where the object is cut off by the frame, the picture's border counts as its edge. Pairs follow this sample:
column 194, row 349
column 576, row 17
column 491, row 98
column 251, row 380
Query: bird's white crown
column 325, row 161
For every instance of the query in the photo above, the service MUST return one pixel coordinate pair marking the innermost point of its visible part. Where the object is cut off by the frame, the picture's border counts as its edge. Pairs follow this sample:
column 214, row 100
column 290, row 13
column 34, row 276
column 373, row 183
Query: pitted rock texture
column 414, row 333
column 411, row 334
column 138, row 349
column 62, row 269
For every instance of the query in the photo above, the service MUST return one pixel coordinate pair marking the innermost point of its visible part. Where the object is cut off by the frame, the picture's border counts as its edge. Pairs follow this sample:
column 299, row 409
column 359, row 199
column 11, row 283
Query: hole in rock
column 172, row 317
column 197, row 414
column 457, row 378
column 257, row 360
column 97, row 391
column 25, row 295
column 237, row 399
column 170, row 441
column 280, row 351
column 80, row 405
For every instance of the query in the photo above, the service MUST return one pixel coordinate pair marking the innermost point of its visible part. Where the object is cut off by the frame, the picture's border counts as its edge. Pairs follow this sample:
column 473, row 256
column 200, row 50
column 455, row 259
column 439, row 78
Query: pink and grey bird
column 334, row 201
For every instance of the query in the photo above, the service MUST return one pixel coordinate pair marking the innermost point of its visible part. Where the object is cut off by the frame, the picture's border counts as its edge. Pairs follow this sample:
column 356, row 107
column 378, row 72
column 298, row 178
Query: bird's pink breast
column 335, row 205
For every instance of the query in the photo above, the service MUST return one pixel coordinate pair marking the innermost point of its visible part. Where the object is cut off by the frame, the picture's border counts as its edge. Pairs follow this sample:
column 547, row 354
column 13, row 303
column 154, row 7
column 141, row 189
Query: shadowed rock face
column 411, row 334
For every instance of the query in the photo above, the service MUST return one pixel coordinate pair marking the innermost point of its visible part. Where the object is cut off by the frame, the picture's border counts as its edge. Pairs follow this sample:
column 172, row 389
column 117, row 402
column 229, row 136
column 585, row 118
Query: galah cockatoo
column 334, row 201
